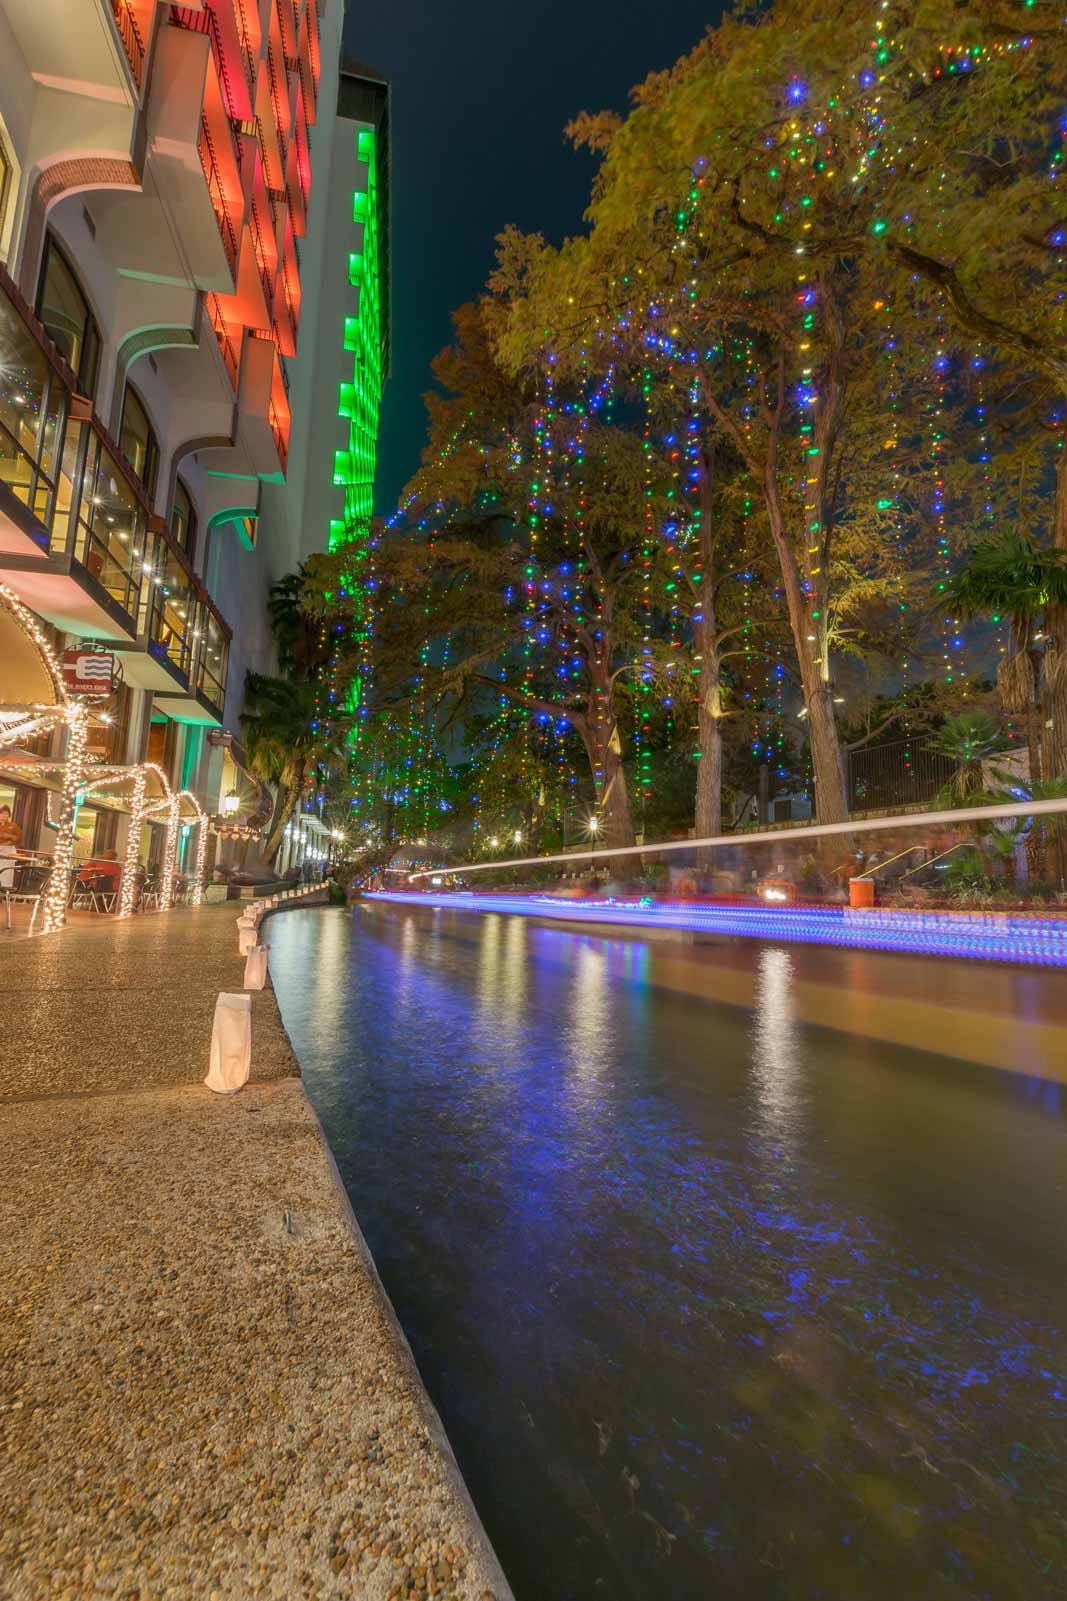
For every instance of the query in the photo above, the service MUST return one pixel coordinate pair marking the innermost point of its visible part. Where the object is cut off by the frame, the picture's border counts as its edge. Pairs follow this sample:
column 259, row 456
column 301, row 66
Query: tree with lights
column 728, row 243
column 532, row 586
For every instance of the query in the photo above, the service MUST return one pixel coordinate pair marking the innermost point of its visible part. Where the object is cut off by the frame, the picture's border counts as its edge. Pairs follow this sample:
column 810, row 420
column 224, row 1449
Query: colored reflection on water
column 712, row 1304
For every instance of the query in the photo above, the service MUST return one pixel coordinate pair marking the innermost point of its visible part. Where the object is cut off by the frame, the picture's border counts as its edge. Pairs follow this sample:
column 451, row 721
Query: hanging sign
column 87, row 672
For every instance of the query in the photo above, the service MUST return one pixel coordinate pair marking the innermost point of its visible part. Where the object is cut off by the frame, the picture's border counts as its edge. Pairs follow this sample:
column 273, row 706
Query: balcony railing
column 209, row 162
column 132, row 38
column 259, row 245
column 60, row 462
column 222, row 334
column 248, row 49
column 279, row 104
column 278, row 430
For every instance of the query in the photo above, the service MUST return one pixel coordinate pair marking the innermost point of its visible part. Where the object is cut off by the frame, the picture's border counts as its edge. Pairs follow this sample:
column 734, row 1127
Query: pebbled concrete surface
column 203, row 1389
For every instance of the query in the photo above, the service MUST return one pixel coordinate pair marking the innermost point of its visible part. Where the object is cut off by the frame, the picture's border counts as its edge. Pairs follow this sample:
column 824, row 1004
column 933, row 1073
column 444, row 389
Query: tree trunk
column 604, row 749
column 282, row 813
column 708, row 818
column 708, row 813
column 1055, row 764
column 811, row 643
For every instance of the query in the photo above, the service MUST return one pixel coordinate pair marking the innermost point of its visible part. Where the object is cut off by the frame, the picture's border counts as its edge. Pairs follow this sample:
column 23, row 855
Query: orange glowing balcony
column 194, row 153
column 249, row 34
column 308, row 68
column 263, row 404
column 287, row 25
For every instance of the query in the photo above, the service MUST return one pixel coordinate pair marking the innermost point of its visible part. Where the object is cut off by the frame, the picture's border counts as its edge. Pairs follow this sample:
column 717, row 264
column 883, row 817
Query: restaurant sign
column 88, row 672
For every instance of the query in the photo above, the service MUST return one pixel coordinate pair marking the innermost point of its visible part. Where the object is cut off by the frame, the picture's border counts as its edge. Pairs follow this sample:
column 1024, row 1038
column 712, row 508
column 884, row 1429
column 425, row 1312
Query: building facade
column 339, row 378
column 159, row 199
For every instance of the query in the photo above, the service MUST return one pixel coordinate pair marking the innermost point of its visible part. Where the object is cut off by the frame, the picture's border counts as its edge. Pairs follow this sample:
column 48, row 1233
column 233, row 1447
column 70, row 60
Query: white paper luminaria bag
column 256, row 968
column 231, row 1044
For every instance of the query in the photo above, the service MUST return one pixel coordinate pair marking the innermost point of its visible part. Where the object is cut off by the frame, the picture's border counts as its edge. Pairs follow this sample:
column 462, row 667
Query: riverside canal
column 711, row 1302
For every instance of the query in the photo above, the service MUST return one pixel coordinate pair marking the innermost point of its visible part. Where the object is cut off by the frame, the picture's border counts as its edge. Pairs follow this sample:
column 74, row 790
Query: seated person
column 106, row 869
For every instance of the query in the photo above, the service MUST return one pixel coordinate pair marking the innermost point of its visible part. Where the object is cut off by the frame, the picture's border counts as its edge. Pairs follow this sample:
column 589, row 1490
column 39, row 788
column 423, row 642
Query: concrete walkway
column 203, row 1390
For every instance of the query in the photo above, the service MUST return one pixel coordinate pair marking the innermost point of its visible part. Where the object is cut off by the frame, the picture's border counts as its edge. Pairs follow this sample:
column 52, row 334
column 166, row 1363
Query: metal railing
column 209, row 162
column 222, row 334
column 132, row 39
column 281, row 442
column 903, row 772
column 260, row 250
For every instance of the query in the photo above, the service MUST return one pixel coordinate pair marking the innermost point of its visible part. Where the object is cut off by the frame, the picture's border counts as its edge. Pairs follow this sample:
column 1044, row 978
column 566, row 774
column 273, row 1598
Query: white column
column 55, row 901
column 132, row 863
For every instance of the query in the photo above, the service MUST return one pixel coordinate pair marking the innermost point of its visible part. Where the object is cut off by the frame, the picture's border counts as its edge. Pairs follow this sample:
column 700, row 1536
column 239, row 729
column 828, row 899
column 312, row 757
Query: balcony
column 35, row 393
column 164, row 652
column 78, row 543
column 194, row 154
column 263, row 404
column 204, row 698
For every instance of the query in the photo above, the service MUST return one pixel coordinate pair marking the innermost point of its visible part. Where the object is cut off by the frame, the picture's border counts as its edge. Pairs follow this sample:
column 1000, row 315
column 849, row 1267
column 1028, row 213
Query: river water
column 711, row 1304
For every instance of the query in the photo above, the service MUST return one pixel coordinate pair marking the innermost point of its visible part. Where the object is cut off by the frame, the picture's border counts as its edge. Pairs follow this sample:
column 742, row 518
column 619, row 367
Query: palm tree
column 970, row 739
column 286, row 742
column 304, row 644
column 1009, row 576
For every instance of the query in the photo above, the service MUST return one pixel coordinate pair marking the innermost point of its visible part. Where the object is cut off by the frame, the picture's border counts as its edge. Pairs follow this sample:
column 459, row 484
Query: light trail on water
column 992, row 937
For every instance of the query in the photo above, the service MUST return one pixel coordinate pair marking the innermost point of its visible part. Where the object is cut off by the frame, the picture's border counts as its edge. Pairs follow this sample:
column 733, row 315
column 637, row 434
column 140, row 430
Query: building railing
column 209, row 162
column 277, row 428
column 248, row 50
column 132, row 38
column 279, row 105
column 222, row 334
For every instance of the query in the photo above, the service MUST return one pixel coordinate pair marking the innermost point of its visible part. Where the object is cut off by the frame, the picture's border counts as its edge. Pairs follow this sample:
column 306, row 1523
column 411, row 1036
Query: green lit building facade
column 343, row 361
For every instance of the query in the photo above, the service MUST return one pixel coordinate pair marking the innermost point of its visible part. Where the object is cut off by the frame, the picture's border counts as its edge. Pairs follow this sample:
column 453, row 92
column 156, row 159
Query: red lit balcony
column 287, row 300
column 193, row 151
column 228, row 335
column 287, row 25
column 264, row 406
column 308, row 68
column 246, row 18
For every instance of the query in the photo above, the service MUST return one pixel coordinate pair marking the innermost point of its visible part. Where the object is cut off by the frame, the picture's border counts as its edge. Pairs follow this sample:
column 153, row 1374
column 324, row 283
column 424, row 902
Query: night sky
column 481, row 92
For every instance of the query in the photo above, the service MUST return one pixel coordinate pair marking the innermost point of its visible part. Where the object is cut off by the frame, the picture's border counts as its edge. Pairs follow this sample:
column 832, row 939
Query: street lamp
column 517, row 836
column 593, row 825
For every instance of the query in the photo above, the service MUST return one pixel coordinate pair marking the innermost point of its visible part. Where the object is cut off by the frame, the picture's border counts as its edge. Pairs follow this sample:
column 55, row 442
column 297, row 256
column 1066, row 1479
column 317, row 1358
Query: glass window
column 137, row 440
column 183, row 520
column 7, row 173
column 64, row 310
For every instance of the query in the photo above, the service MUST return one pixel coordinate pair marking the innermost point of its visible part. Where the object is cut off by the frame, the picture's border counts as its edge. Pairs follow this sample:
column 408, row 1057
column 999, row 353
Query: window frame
column 91, row 339
column 192, row 528
column 149, row 480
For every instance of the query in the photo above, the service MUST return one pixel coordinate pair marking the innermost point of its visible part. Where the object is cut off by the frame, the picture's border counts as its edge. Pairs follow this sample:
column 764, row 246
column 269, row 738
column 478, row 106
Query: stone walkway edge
column 204, row 1390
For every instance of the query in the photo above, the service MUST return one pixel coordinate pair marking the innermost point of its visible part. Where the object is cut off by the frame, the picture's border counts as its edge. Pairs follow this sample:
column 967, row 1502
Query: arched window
column 137, row 440
column 183, row 520
column 64, row 310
